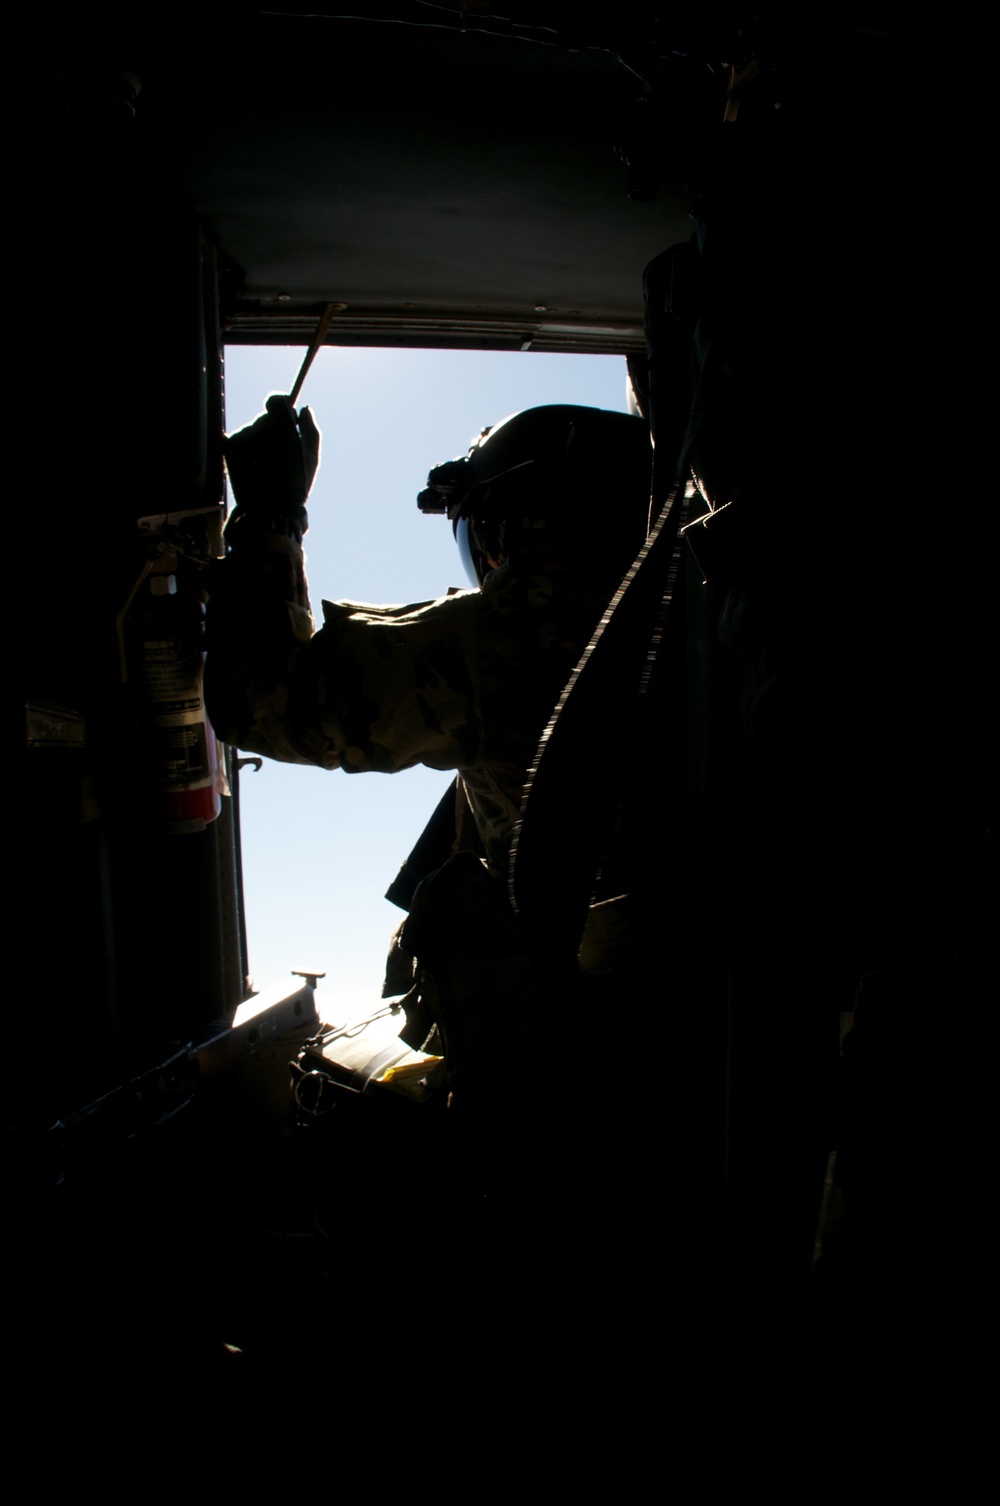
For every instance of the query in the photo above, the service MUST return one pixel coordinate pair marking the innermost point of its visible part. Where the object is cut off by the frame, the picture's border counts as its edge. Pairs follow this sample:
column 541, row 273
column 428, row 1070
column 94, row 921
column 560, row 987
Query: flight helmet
column 584, row 471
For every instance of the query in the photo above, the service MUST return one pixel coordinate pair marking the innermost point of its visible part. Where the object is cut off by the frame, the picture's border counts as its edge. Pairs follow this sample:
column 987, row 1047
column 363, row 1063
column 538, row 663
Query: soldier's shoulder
column 338, row 611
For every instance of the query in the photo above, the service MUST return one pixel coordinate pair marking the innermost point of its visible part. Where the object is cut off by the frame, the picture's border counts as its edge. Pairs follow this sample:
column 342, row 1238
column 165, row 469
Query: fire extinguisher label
column 176, row 716
column 183, row 753
column 169, row 685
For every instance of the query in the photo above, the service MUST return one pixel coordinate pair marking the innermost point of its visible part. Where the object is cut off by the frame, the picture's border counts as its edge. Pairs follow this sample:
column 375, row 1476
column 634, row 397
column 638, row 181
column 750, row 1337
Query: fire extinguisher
column 161, row 637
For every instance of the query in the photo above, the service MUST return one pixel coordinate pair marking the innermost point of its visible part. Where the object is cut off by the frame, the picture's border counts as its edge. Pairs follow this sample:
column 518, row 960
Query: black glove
column 271, row 466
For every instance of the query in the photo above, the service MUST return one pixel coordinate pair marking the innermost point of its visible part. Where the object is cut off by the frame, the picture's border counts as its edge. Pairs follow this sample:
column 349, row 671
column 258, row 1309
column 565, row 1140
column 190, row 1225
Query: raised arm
column 259, row 614
column 377, row 688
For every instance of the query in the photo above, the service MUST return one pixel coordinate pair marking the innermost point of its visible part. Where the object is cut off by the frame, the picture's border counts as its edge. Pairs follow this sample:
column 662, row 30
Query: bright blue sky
column 320, row 849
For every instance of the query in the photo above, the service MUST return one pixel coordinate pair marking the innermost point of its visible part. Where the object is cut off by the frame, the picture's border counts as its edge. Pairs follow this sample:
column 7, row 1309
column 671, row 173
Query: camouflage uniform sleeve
column 392, row 687
column 466, row 682
column 376, row 689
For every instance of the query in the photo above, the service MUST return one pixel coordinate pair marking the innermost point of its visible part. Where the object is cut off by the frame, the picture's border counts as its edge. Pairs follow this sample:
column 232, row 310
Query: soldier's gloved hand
column 271, row 464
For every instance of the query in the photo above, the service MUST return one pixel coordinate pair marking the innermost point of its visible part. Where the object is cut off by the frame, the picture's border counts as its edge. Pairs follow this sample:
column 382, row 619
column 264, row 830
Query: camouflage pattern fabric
column 465, row 682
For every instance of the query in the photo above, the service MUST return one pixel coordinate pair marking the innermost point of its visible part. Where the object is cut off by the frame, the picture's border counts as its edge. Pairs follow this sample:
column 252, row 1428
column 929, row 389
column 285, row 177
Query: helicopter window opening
column 320, row 849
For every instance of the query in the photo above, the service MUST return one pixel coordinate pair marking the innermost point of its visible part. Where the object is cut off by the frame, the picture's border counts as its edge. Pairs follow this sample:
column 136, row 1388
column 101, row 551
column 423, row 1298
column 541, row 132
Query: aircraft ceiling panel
column 429, row 181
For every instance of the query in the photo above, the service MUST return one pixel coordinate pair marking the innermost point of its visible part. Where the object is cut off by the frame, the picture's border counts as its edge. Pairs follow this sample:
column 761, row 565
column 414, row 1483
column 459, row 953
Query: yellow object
column 406, row 1070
